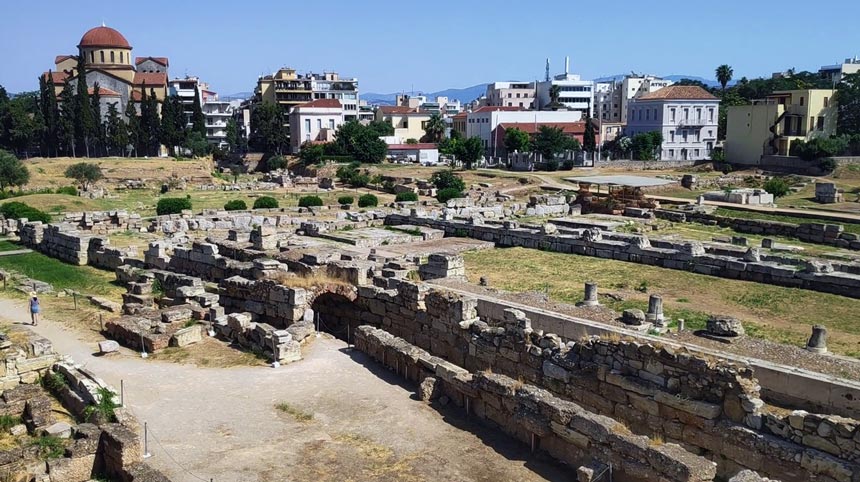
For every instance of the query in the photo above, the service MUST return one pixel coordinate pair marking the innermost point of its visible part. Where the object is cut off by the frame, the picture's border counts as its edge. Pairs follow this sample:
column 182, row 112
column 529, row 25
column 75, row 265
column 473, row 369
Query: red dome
column 104, row 37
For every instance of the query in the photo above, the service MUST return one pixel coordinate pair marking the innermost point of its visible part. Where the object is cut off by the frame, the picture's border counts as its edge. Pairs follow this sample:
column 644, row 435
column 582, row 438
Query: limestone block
column 108, row 346
column 187, row 336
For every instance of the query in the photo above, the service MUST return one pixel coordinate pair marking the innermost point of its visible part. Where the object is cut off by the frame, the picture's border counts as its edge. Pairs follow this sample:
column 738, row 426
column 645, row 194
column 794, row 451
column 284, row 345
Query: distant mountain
column 237, row 96
column 464, row 95
column 673, row 78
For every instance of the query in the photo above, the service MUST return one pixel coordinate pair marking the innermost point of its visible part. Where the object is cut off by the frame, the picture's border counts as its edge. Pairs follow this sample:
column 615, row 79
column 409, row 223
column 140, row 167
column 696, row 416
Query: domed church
column 109, row 63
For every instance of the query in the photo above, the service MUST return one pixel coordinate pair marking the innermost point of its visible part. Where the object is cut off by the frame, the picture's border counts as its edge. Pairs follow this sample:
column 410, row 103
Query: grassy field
column 84, row 279
column 737, row 213
column 773, row 312
column 49, row 172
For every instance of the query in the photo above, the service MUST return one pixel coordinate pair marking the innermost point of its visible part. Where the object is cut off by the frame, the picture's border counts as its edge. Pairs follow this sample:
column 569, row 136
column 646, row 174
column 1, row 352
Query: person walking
column 35, row 308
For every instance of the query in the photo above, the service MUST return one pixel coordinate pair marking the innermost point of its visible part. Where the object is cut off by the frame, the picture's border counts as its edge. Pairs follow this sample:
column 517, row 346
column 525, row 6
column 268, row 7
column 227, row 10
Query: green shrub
column 275, row 162
column 551, row 165
column 827, row 165
column 310, row 201
column 777, row 186
column 8, row 421
column 406, row 197
column 235, row 205
column 19, row 210
column 448, row 193
column 368, row 201
column 447, row 179
column 50, row 447
column 104, row 409
column 345, row 200
column 172, row 205
column 70, row 190
column 267, row 202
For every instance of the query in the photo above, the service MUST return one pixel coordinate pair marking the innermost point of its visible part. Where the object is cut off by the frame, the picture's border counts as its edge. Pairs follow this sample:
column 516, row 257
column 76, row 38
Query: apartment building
column 770, row 125
column 575, row 94
column 188, row 90
column 511, row 94
column 408, row 122
column 440, row 105
column 837, row 72
column 686, row 116
column 330, row 85
column 612, row 99
column 217, row 113
column 315, row 121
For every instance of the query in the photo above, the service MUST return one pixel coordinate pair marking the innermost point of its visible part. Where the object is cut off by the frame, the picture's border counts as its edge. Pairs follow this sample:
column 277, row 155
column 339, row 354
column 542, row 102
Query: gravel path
column 222, row 424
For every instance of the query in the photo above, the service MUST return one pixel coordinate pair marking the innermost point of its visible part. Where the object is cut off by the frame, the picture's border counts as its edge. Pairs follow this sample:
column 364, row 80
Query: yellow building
column 769, row 126
column 284, row 87
column 408, row 122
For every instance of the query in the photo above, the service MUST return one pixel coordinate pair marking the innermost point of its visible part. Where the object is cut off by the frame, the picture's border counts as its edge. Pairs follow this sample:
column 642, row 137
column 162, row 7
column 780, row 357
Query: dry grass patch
column 309, row 281
column 295, row 412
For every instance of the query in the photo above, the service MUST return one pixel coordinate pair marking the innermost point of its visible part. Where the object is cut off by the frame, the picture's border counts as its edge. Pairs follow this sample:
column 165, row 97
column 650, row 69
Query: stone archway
column 336, row 314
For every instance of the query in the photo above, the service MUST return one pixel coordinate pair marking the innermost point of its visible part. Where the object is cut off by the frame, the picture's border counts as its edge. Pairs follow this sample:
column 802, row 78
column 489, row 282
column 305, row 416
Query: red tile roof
column 59, row 78
column 158, row 60
column 497, row 108
column 322, row 103
column 397, row 109
column 104, row 92
column 136, row 96
column 679, row 92
column 412, row 147
column 150, row 78
column 461, row 115
column 62, row 58
column 104, row 37
column 531, row 128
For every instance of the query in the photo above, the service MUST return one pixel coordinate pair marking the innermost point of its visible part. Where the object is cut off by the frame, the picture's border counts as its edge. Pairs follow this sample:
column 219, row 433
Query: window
column 112, row 59
column 671, row 136
column 509, row 95
column 827, row 102
column 518, row 96
column 820, row 125
column 307, row 125
column 648, row 114
column 697, row 136
column 510, row 104
column 331, row 124
column 684, row 133
column 711, row 115
column 686, row 114
column 102, row 55
column 696, row 153
column 672, row 114
column 655, row 114
column 92, row 56
column 698, row 113
column 671, row 153
column 122, row 57
column 801, row 101
column 521, row 104
column 319, row 124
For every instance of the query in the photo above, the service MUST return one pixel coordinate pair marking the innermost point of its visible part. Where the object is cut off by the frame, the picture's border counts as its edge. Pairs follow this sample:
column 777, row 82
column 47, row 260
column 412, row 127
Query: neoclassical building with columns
column 108, row 60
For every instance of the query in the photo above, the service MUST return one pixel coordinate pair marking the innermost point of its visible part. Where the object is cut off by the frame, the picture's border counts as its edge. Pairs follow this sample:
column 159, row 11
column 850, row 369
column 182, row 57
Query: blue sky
column 394, row 45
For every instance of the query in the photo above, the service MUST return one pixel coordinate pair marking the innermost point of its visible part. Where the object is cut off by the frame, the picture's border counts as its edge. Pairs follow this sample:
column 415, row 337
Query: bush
column 827, row 165
column 777, row 186
column 448, row 193
column 235, row 205
column 310, row 201
column 406, row 197
column 368, row 201
column 172, row 205
column 19, row 210
column 275, row 162
column 567, row 165
column 70, row 190
column 268, row 202
column 551, row 165
column 447, row 179
column 345, row 200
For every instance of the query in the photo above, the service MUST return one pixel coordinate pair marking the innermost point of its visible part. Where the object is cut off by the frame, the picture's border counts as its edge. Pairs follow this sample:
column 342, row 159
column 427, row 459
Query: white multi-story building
column 187, row 90
column 483, row 121
column 835, row 73
column 217, row 113
column 511, row 94
column 329, row 85
column 686, row 116
column 440, row 105
column 612, row 99
column 315, row 121
column 575, row 94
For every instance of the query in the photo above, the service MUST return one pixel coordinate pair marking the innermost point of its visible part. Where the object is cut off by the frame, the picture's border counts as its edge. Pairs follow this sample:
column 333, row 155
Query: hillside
column 48, row 172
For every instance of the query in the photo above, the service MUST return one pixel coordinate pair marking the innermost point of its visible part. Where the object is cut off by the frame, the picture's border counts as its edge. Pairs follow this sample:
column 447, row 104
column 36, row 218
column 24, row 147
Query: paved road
column 222, row 423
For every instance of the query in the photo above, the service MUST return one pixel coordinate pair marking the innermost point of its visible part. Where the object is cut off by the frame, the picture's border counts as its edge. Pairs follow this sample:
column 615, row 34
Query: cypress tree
column 116, row 132
column 68, row 120
column 589, row 143
column 198, row 120
column 50, row 114
column 98, row 137
column 133, row 127
column 85, row 126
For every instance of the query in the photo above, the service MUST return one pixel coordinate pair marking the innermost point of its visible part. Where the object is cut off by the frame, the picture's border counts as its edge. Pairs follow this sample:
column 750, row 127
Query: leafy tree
column 589, row 141
column 381, row 128
column 198, row 120
column 19, row 210
column 554, row 94
column 412, row 141
column 848, row 104
column 12, row 171
column 85, row 173
column 268, row 202
column 268, row 133
column 777, row 186
column 452, row 146
column 173, row 130
column 361, row 143
column 116, row 132
column 21, row 123
column 819, row 148
column 647, row 146
column 447, row 179
column 311, row 153
column 516, row 140
column 472, row 151
column 691, row 82
column 552, row 141
column 407, row 196
column 172, row 205
column 724, row 75
column 274, row 163
column 197, row 144
column 435, row 128
column 232, row 135
column 133, row 127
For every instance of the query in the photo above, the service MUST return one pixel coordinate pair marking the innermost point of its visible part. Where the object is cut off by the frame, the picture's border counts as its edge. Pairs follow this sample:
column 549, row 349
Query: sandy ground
column 222, row 424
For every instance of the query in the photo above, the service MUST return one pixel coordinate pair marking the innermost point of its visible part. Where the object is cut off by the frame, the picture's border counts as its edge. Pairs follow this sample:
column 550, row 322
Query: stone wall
column 654, row 390
column 826, row 277
column 60, row 241
column 562, row 428
column 104, row 222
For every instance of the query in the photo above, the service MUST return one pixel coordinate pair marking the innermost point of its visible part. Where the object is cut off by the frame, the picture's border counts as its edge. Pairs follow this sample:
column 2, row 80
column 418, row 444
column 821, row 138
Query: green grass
column 773, row 312
column 6, row 245
column 297, row 413
column 739, row 214
column 50, row 447
column 60, row 275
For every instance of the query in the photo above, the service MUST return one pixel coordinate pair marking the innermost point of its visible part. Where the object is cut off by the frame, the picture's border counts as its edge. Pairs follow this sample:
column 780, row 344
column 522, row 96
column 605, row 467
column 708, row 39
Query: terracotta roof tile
column 62, row 58
column 409, row 147
column 150, row 78
column 103, row 37
column 531, row 128
column 158, row 60
column 322, row 103
column 397, row 109
column 59, row 78
column 679, row 92
column 497, row 108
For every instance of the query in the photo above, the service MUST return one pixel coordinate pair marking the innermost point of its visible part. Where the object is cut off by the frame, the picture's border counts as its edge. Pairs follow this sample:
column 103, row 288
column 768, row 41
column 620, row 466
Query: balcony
column 692, row 123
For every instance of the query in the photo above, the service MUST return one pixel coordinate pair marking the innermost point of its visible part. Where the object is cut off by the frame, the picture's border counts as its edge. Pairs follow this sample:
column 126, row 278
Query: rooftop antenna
column 546, row 78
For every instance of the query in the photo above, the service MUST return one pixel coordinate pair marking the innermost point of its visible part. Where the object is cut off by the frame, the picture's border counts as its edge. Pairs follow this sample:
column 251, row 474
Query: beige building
column 769, row 126
column 284, row 87
column 408, row 122
column 511, row 94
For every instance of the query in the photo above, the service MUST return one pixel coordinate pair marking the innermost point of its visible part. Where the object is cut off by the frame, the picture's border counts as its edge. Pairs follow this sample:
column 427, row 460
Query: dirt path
column 221, row 423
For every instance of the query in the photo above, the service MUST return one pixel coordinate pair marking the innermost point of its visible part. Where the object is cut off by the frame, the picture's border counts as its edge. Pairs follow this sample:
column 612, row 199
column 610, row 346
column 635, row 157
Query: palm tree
column 724, row 75
column 435, row 127
column 554, row 94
